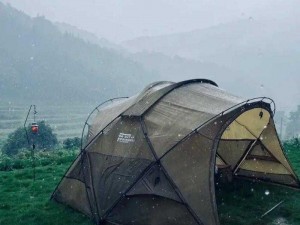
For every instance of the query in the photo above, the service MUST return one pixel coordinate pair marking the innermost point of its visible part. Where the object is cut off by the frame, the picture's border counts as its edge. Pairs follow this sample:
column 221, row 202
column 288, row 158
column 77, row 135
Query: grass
column 24, row 201
column 244, row 202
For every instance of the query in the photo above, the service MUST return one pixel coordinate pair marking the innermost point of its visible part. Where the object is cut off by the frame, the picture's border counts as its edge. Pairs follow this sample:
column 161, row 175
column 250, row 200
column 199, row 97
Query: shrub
column 71, row 143
column 24, row 159
column 292, row 144
column 45, row 139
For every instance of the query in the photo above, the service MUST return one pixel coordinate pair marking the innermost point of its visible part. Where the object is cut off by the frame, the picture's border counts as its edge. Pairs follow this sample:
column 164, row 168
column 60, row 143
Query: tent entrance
column 249, row 148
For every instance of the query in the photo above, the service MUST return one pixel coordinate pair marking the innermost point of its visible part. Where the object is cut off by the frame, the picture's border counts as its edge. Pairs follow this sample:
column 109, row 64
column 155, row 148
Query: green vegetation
column 293, row 126
column 24, row 159
column 17, row 140
column 244, row 202
column 24, row 201
column 71, row 143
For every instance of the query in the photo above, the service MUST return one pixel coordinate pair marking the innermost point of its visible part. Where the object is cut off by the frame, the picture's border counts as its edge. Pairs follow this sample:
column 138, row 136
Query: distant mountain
column 87, row 36
column 266, row 54
column 39, row 63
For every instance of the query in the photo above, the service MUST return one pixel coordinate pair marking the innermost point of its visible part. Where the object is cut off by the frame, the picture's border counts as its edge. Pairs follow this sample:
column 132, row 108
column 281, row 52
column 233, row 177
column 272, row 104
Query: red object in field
column 34, row 128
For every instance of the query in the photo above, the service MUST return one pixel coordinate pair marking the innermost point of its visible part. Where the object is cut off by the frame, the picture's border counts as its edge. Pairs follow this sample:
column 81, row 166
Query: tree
column 71, row 143
column 45, row 139
column 293, row 127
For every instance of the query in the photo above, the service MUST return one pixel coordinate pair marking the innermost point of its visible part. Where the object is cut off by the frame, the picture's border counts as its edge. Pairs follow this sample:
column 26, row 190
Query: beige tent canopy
column 150, row 159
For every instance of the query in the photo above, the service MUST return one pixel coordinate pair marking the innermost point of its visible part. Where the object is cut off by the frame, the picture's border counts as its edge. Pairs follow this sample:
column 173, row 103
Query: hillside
column 38, row 63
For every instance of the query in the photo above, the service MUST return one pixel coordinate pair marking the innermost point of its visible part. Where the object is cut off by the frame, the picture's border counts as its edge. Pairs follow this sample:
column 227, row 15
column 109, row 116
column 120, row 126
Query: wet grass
column 244, row 202
column 24, row 201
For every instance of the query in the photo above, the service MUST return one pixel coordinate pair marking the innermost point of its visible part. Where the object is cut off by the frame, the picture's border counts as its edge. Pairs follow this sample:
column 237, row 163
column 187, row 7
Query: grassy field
column 24, row 201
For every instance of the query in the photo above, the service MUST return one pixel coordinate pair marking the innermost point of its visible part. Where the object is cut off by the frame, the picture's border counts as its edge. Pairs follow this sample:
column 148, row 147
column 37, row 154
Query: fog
column 90, row 85
column 91, row 50
column 119, row 20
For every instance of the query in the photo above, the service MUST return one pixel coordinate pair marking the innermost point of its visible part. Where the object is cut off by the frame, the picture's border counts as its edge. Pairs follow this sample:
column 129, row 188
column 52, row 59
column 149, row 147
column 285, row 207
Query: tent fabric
column 152, row 158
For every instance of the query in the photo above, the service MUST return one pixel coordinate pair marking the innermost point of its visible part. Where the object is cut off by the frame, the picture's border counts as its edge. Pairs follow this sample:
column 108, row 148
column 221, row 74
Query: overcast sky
column 119, row 20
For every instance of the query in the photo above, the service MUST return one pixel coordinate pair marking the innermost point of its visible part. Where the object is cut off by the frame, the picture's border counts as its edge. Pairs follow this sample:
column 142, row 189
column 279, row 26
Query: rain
column 149, row 112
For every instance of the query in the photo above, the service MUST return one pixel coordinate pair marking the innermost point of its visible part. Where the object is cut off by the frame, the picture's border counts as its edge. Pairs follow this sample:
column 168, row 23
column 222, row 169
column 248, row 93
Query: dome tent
column 151, row 158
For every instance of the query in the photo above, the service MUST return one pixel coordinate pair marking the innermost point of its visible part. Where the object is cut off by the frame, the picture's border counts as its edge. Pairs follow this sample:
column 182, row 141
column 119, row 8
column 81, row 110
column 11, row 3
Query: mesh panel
column 189, row 166
column 76, row 172
column 259, row 150
column 76, row 163
column 232, row 151
column 117, row 158
column 72, row 192
column 112, row 176
column 155, row 183
column 149, row 210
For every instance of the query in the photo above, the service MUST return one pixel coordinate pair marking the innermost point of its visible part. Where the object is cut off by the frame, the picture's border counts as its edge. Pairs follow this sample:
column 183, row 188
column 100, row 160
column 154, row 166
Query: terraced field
column 66, row 121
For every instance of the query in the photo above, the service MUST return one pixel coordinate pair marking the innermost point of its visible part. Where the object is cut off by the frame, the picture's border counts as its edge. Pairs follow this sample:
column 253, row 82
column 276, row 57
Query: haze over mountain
column 119, row 20
column 39, row 63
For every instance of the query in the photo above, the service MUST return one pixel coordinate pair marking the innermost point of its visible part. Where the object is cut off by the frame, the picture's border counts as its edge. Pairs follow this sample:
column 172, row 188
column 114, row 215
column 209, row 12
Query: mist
column 119, row 20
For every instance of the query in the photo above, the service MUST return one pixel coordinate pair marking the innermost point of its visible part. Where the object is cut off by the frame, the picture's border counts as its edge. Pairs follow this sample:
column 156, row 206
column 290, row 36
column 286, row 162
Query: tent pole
column 247, row 153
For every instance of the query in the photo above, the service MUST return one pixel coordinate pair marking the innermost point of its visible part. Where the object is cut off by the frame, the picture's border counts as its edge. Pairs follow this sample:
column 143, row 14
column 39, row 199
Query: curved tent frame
column 149, row 155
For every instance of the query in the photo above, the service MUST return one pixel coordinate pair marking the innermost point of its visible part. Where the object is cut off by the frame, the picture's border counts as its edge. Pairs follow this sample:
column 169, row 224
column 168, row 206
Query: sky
column 120, row 20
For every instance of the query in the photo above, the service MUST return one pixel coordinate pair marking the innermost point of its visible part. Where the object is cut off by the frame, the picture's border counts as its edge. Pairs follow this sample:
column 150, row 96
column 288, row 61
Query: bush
column 45, row 139
column 24, row 159
column 71, row 143
column 292, row 144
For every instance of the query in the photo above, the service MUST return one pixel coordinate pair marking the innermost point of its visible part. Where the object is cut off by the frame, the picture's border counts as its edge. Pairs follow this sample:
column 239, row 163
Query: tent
column 151, row 159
